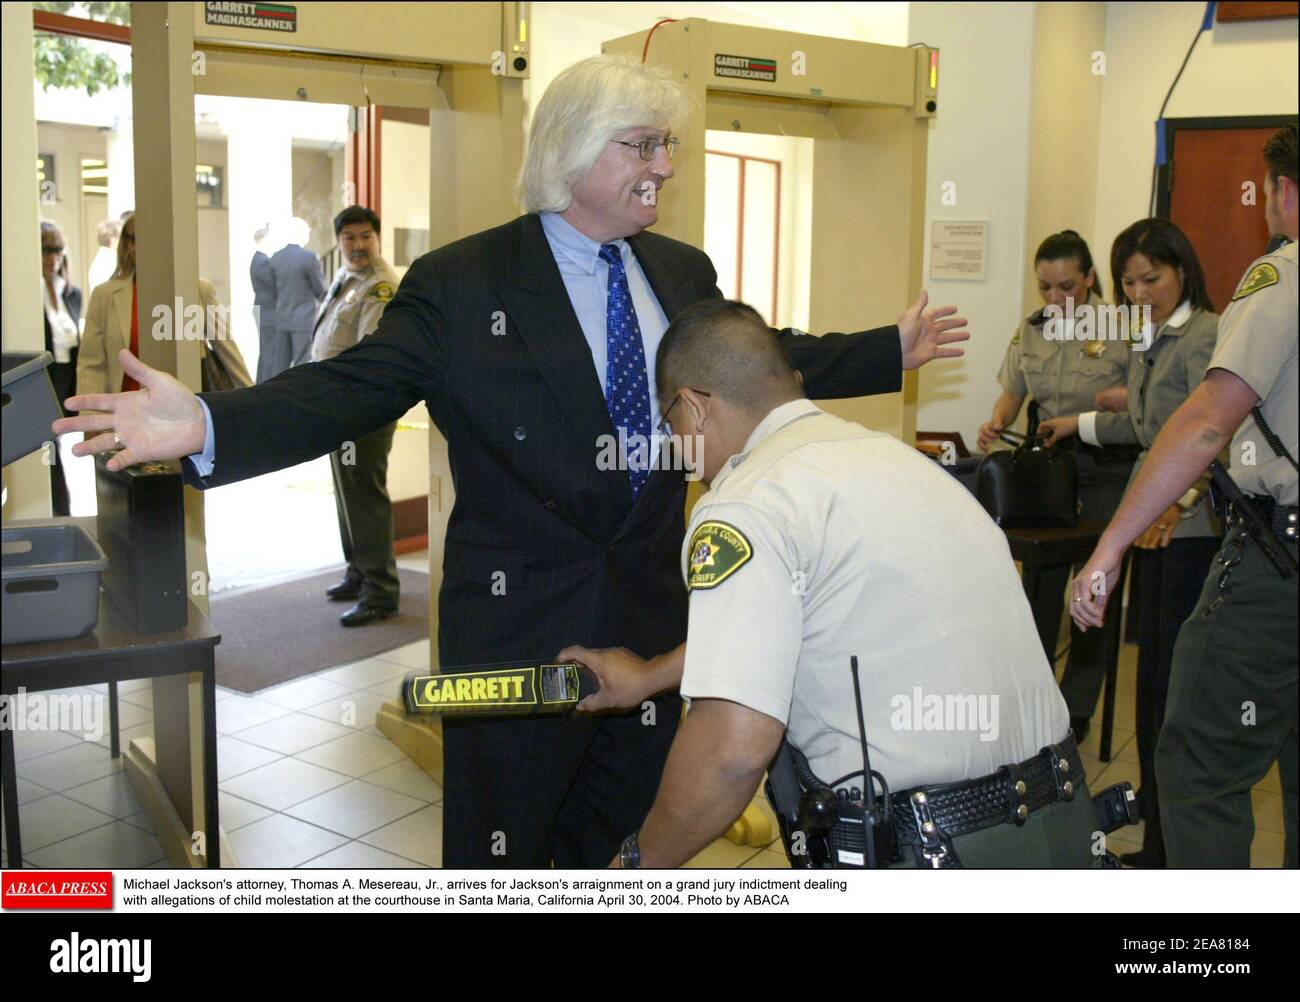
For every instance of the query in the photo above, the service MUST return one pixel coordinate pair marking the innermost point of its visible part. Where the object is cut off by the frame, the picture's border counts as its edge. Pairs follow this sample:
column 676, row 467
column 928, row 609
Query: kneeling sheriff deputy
column 821, row 540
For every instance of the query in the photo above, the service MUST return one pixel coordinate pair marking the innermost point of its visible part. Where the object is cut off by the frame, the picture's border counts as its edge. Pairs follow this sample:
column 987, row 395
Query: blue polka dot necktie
column 627, row 389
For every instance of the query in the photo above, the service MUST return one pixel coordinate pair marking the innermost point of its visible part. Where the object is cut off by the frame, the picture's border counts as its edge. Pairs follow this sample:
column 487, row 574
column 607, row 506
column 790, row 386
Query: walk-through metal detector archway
column 466, row 63
column 867, row 109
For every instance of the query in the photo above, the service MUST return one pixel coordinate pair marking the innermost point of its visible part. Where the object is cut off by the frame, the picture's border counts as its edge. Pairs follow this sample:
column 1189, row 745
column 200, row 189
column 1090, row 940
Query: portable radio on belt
column 844, row 828
column 1259, row 528
column 524, row 688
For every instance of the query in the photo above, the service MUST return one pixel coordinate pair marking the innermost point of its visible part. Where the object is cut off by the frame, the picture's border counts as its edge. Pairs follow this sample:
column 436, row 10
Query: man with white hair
column 533, row 345
column 299, row 289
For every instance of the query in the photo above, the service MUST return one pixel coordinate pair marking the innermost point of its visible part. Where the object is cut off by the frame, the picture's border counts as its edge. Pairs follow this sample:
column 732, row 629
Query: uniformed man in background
column 361, row 289
column 1232, row 709
column 1065, row 375
column 821, row 540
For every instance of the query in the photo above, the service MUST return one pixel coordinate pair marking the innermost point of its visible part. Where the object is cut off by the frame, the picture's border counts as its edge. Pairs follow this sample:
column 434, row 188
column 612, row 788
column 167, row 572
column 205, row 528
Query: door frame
column 1167, row 137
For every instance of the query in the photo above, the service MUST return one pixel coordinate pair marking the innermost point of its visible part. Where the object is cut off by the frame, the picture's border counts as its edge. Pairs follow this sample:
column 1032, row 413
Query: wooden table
column 114, row 652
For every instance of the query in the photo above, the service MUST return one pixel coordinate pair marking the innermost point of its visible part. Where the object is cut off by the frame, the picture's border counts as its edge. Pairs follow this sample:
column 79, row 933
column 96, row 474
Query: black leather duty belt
column 1007, row 796
column 1282, row 518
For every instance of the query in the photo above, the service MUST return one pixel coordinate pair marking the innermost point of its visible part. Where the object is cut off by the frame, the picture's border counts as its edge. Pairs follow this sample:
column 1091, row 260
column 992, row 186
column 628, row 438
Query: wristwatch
column 629, row 853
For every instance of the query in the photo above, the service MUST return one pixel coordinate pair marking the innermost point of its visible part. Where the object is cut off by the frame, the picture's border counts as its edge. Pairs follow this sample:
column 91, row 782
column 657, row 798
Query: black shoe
column 363, row 612
column 1080, row 726
column 1144, row 859
column 346, row 589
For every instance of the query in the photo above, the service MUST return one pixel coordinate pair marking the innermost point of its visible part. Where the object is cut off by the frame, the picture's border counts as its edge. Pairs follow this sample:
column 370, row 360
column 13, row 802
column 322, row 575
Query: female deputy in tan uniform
column 1065, row 376
column 1154, row 264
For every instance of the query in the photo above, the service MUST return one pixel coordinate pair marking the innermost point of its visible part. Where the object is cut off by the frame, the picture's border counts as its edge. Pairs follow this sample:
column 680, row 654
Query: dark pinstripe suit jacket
column 523, row 413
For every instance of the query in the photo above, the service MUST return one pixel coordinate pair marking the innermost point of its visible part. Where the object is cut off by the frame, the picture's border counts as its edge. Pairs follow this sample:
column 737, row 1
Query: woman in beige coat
column 109, row 319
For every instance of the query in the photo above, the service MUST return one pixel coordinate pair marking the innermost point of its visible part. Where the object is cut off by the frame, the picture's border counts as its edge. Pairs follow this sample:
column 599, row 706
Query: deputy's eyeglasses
column 53, row 250
column 648, row 148
column 664, row 428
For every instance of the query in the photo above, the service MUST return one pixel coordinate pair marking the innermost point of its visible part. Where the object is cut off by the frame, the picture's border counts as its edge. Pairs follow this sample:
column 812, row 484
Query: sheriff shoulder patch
column 1015, row 337
column 1261, row 277
column 384, row 291
column 718, row 550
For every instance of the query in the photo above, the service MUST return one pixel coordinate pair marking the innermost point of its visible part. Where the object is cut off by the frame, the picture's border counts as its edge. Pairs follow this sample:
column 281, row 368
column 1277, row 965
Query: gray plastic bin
column 49, row 580
column 30, row 406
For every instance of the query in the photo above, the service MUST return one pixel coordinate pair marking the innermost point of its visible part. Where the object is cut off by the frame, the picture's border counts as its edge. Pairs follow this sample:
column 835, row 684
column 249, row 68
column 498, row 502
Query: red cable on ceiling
column 646, row 48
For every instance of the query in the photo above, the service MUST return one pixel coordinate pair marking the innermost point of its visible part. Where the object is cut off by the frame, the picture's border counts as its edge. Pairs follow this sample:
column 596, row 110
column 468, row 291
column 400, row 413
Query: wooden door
column 1214, row 192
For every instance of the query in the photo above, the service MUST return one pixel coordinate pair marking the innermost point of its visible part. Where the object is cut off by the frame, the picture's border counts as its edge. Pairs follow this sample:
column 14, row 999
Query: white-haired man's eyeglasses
column 648, row 148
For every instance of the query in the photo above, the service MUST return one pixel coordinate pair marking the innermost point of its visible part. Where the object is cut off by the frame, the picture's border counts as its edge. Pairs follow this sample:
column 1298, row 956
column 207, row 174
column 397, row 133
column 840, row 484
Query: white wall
column 214, row 224
column 1066, row 112
column 68, row 144
column 406, row 183
column 406, row 206
column 980, row 142
column 795, row 155
column 1237, row 69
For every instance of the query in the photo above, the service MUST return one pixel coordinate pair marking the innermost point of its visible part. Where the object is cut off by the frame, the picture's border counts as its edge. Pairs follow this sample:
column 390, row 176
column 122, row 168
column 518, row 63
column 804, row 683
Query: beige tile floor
column 306, row 780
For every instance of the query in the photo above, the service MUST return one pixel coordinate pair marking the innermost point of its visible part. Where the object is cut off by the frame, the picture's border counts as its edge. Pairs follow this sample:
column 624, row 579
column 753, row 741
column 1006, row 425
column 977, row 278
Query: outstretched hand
column 161, row 420
column 923, row 334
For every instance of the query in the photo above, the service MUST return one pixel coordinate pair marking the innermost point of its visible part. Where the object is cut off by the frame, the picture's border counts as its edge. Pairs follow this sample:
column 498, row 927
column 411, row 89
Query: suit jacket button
column 521, row 433
column 549, row 505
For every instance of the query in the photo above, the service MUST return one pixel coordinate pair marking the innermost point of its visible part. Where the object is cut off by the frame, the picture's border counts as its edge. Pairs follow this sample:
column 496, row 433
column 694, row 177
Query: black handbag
column 222, row 367
column 1030, row 487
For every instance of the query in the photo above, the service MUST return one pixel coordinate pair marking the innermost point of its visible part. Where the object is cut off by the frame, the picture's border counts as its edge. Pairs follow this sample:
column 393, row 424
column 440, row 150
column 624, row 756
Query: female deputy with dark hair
column 1154, row 266
column 1064, row 374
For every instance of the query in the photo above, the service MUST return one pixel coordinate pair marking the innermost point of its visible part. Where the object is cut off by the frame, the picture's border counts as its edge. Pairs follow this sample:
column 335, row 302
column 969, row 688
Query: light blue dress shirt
column 586, row 278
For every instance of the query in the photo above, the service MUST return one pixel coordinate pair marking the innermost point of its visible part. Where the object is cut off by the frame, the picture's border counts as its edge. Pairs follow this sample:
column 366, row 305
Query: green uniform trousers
column 1232, row 710
column 1063, row 835
column 366, row 516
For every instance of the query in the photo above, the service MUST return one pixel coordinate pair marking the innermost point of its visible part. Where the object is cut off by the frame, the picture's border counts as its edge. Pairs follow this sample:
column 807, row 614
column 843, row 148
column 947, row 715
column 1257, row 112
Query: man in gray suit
column 273, row 350
column 299, row 288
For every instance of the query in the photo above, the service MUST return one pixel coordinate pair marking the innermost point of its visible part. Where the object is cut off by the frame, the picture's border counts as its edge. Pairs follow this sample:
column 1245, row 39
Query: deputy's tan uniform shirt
column 1064, row 374
column 1160, row 378
column 352, row 309
column 1257, row 343
column 824, row 539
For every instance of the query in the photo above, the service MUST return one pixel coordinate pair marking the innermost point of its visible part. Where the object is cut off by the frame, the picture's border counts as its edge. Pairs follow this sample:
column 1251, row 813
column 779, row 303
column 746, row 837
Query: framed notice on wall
column 959, row 250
